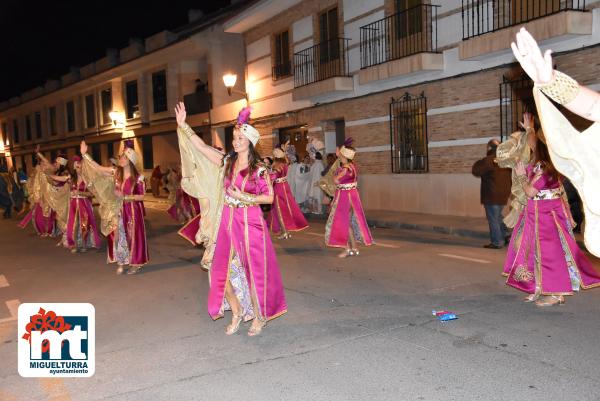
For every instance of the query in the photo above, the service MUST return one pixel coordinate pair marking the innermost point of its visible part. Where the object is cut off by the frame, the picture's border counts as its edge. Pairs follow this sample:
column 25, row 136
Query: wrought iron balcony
column 400, row 35
column 322, row 61
column 484, row 16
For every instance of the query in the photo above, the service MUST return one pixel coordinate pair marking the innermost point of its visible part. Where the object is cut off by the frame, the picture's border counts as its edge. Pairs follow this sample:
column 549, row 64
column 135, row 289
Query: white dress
column 292, row 178
column 302, row 180
column 315, row 193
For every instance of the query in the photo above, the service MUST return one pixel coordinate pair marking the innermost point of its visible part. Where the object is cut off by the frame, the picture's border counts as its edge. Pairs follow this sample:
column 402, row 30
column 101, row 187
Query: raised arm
column 83, row 148
column 212, row 154
column 40, row 156
column 559, row 87
column 61, row 178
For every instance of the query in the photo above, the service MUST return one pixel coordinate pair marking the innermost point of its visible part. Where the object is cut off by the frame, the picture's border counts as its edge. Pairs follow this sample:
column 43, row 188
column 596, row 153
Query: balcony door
column 329, row 45
column 526, row 10
column 409, row 29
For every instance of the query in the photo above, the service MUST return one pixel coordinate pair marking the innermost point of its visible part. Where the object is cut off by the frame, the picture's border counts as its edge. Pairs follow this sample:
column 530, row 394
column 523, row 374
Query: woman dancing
column 42, row 216
column 285, row 214
column 574, row 153
column 120, row 191
column 244, row 274
column 347, row 223
column 81, row 232
column 543, row 257
column 183, row 207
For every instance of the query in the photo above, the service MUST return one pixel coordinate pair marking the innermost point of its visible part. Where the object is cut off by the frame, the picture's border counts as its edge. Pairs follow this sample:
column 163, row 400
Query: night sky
column 40, row 40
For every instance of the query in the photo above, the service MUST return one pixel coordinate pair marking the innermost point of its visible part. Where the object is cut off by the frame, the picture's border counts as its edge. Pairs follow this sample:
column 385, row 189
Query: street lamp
column 229, row 80
column 118, row 119
column 119, row 122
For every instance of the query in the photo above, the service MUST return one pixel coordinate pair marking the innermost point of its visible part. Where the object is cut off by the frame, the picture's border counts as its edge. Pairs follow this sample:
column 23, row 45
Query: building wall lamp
column 229, row 80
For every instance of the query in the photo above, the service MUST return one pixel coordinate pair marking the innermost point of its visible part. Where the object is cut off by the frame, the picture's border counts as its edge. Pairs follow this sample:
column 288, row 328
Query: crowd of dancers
column 217, row 197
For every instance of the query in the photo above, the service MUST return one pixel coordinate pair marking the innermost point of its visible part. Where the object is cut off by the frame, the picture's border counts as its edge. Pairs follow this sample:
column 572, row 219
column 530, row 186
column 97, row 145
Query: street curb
column 457, row 232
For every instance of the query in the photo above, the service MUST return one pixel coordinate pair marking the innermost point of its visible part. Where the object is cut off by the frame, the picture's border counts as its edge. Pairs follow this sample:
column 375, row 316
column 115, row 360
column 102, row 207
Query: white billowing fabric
column 576, row 155
column 62, row 161
column 302, row 182
column 291, row 176
column 315, row 193
column 313, row 147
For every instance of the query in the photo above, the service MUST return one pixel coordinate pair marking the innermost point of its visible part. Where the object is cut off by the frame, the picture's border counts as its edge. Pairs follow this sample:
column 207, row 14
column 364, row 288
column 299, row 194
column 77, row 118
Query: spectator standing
column 495, row 191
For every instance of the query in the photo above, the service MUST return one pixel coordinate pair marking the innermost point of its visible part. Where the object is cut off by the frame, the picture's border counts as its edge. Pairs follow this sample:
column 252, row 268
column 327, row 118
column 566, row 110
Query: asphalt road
column 357, row 329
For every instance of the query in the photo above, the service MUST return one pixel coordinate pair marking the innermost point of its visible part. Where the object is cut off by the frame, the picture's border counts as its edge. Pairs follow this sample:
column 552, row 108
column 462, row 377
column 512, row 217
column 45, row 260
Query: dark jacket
column 495, row 181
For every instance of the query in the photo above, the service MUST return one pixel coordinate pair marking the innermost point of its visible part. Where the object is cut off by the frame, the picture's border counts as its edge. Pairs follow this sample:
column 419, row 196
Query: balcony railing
column 483, row 16
column 400, row 35
column 281, row 71
column 326, row 60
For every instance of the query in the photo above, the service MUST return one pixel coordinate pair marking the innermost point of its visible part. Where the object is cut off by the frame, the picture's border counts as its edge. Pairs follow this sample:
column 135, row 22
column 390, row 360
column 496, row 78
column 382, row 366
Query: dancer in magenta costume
column 185, row 207
column 347, row 223
column 41, row 215
column 285, row 214
column 127, row 243
column 543, row 257
column 192, row 207
column 244, row 273
column 81, row 230
column 44, row 226
column 190, row 229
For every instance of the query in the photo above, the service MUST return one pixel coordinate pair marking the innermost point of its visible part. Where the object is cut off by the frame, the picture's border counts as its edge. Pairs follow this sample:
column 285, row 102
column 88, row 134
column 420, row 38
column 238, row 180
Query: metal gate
column 408, row 131
column 516, row 97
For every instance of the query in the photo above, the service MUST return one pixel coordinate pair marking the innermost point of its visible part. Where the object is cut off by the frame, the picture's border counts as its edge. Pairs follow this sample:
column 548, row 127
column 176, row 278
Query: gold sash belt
column 232, row 202
column 347, row 187
column 548, row 194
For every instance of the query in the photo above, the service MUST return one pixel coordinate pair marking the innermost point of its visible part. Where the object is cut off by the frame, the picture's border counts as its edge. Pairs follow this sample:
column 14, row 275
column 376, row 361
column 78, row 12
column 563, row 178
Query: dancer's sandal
column 254, row 330
column 134, row 269
column 234, row 326
column 532, row 298
column 354, row 252
column 551, row 300
column 345, row 253
column 284, row 236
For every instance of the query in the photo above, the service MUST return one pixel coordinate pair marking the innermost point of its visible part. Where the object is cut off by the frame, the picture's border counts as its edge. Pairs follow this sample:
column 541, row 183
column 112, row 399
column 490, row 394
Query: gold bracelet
column 248, row 198
column 88, row 157
column 562, row 89
column 189, row 132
